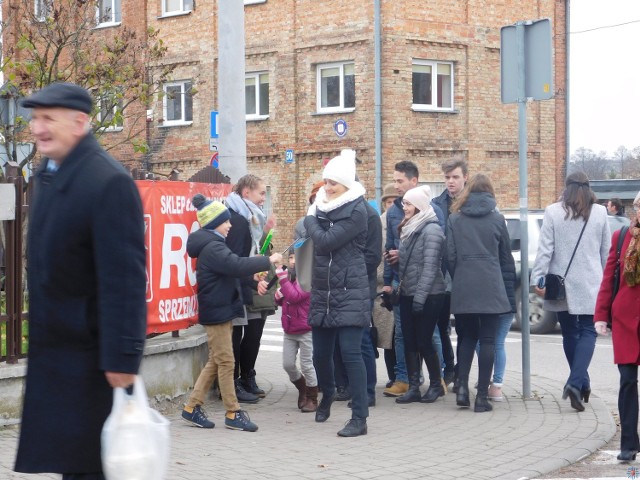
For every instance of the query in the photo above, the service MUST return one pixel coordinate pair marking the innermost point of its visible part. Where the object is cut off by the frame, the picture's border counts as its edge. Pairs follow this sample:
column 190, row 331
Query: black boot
column 250, row 385
column 462, row 395
column 354, row 427
column 482, row 403
column 324, row 409
column 436, row 390
column 412, row 360
column 243, row 396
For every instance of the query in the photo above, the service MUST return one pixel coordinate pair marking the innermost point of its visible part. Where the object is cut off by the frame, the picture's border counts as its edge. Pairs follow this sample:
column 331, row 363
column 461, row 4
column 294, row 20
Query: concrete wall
column 170, row 368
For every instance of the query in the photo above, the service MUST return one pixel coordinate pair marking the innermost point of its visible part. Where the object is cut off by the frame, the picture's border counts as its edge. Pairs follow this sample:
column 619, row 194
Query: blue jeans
column 500, row 362
column 369, row 357
column 579, row 342
column 350, row 342
column 398, row 341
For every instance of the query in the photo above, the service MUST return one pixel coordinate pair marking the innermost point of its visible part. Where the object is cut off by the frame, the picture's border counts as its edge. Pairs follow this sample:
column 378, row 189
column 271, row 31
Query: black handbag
column 554, row 284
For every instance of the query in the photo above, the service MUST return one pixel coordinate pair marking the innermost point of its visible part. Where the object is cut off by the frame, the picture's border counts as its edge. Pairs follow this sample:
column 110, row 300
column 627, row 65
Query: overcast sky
column 604, row 75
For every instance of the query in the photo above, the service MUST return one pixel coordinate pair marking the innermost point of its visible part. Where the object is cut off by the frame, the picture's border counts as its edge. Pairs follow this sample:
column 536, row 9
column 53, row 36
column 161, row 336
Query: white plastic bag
column 135, row 438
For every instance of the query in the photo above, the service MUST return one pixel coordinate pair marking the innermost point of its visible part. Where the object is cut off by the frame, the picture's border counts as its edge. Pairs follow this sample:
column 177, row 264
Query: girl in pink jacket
column 297, row 336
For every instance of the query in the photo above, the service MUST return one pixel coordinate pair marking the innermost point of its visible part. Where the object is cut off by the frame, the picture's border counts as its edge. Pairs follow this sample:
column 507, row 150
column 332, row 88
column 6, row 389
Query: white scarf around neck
column 356, row 191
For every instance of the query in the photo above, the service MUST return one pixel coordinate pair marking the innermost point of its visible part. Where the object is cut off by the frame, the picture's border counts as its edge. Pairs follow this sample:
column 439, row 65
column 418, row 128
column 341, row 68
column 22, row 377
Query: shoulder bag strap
column 576, row 248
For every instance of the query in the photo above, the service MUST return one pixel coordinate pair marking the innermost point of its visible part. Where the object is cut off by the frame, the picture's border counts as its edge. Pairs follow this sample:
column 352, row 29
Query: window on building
column 176, row 7
column 336, row 87
column 109, row 12
column 177, row 103
column 42, row 9
column 109, row 116
column 256, row 92
column 432, row 85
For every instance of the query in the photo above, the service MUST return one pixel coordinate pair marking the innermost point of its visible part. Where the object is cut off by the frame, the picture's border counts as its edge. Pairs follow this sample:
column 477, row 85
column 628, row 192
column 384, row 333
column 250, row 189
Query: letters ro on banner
column 169, row 218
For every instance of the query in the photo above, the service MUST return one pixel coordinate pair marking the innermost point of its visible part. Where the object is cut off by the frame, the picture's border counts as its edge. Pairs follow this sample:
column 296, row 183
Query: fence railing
column 13, row 318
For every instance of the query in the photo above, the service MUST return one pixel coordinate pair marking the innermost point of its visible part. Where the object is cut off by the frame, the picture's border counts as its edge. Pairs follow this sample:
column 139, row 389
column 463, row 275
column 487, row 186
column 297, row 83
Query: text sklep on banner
column 169, row 218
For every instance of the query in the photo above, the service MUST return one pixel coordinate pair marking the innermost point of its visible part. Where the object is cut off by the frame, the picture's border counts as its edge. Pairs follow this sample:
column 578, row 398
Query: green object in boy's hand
column 267, row 242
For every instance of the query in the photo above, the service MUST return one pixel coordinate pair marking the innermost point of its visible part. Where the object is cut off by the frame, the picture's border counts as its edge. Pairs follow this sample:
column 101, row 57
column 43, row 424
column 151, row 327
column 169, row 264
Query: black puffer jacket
column 218, row 270
column 340, row 295
column 480, row 259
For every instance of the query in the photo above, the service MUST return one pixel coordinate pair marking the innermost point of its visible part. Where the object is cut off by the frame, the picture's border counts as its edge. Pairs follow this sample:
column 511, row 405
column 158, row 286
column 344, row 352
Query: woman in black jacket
column 483, row 272
column 340, row 298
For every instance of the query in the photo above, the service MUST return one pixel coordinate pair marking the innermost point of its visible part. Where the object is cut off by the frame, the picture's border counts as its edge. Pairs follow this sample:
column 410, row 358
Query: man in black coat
column 86, row 277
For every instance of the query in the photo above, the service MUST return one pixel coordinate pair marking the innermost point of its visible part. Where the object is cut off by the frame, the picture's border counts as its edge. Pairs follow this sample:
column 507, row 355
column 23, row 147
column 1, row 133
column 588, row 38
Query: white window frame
column 256, row 76
column 100, row 23
column 341, row 107
column 425, row 107
column 42, row 9
column 183, row 90
column 116, row 107
column 252, row 2
column 183, row 10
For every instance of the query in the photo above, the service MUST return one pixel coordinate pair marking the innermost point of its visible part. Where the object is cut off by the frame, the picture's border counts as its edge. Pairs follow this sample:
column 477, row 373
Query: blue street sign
column 214, row 124
column 288, row 156
column 340, row 127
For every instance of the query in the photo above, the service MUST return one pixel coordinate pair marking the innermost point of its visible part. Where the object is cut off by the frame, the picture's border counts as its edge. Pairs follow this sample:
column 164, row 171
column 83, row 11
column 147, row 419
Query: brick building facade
column 310, row 63
column 289, row 41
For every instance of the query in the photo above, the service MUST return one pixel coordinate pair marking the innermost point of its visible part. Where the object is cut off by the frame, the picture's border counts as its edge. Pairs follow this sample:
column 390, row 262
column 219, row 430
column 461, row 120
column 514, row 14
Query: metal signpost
column 526, row 70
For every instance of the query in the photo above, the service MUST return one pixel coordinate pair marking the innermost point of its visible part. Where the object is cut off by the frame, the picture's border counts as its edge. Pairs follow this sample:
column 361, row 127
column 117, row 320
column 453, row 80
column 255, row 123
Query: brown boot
column 301, row 385
column 311, row 404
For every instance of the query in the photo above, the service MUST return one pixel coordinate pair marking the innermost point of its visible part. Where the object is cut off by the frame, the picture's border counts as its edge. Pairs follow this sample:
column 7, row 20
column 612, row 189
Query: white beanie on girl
column 342, row 169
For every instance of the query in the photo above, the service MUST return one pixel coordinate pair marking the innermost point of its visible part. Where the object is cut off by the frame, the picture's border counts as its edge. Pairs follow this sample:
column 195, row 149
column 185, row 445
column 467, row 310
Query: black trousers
column 477, row 328
column 246, row 345
column 628, row 407
column 444, row 327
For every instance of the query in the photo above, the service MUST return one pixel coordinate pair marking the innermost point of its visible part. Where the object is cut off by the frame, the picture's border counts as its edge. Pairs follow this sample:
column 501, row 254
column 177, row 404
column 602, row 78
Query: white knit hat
column 342, row 169
column 419, row 197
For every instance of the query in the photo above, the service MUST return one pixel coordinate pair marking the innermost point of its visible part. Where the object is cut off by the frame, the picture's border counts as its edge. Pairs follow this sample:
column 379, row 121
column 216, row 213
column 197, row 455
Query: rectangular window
column 432, row 84
column 109, row 12
column 176, row 7
column 42, row 9
column 177, row 103
column 109, row 116
column 336, row 87
column 256, row 91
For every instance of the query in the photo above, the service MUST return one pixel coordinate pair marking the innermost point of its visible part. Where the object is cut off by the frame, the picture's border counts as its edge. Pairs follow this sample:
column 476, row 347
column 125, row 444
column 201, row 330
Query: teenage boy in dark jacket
column 219, row 302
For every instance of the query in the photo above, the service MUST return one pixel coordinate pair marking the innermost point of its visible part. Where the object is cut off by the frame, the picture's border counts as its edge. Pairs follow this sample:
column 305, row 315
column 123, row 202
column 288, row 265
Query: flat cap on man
column 61, row 94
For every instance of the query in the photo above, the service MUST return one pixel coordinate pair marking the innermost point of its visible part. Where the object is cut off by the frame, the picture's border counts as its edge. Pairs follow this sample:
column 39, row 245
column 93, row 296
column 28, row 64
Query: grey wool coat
column 340, row 295
column 558, row 238
column 421, row 272
column 480, row 260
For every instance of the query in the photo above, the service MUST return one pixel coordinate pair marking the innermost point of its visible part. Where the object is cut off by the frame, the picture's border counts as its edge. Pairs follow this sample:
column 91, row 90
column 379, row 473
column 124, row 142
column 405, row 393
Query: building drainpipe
column 378, row 100
column 567, row 19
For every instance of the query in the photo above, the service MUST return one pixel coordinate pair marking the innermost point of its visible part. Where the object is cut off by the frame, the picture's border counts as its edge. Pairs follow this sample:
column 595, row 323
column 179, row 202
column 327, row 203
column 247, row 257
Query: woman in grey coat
column 421, row 291
column 483, row 272
column 563, row 221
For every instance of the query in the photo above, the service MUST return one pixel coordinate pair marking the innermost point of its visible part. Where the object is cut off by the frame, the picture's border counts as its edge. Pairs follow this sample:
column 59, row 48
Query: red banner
column 169, row 218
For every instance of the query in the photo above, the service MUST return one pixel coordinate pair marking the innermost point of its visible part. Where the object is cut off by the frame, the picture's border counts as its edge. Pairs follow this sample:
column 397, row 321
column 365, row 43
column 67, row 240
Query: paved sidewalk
column 518, row 439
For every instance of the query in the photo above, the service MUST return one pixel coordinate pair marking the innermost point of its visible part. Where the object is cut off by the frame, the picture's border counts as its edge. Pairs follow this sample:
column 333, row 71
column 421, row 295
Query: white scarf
column 415, row 222
column 252, row 213
column 356, row 191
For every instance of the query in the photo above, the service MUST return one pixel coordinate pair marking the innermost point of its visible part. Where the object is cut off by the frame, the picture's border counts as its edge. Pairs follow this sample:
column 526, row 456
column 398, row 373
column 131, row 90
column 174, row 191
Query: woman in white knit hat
column 422, row 290
column 340, row 296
